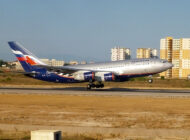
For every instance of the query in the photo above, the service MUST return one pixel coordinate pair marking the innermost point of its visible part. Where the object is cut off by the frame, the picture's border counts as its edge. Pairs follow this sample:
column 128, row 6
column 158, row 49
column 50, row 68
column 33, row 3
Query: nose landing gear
column 150, row 80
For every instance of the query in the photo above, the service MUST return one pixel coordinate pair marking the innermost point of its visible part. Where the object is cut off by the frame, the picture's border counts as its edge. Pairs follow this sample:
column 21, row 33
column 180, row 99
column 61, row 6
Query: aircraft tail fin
column 25, row 57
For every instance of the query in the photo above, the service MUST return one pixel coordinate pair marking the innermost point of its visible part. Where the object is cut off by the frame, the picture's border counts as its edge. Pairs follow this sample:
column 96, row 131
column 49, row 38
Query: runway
column 98, row 92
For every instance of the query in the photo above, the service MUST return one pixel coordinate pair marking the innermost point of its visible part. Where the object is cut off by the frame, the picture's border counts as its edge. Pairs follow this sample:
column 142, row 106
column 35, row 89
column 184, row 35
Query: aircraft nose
column 169, row 65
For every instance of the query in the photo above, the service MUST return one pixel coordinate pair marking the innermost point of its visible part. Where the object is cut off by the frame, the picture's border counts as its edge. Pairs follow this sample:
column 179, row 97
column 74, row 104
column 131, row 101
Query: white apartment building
column 118, row 53
column 154, row 53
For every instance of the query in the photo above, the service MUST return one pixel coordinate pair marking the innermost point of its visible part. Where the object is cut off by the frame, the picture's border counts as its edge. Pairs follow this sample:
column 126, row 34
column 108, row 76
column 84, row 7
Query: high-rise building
column 184, row 63
column 154, row 53
column 176, row 57
column 118, row 53
column 166, row 53
column 177, row 52
column 146, row 53
column 143, row 53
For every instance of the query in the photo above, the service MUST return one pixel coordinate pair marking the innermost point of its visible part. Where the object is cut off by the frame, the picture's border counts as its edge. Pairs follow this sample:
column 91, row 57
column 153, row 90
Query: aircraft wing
column 67, row 69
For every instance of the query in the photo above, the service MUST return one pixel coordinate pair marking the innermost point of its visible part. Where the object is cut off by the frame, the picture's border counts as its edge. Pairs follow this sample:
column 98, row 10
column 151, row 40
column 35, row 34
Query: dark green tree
column 3, row 63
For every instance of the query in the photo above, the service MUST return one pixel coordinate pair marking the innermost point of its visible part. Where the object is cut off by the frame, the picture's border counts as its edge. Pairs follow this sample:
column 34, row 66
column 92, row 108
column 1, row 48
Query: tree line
column 2, row 62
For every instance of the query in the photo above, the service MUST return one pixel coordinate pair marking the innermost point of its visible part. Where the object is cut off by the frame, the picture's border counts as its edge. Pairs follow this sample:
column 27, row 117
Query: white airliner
column 100, row 72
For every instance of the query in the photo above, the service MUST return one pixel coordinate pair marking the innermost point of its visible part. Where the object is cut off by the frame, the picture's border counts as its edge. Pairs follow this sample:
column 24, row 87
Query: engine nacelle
column 104, row 76
column 84, row 76
column 109, row 77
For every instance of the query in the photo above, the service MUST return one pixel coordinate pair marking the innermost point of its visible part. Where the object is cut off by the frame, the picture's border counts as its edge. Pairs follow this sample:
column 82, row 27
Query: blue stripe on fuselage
column 52, row 77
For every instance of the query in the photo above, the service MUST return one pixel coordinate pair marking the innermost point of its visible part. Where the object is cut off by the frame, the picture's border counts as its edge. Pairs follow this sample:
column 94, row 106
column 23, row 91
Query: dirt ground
column 134, row 117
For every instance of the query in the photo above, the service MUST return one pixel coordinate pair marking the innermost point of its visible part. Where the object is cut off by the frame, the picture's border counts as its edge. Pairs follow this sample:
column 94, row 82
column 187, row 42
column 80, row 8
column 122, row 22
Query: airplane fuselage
column 121, row 70
column 100, row 72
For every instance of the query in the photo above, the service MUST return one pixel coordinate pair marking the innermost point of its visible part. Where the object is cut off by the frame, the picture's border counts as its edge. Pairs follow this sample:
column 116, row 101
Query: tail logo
column 30, row 61
column 21, row 57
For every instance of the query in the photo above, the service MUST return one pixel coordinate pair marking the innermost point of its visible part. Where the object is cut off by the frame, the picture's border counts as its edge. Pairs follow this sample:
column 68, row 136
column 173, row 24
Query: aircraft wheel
column 89, row 87
column 99, row 86
column 150, row 80
column 93, row 85
column 102, row 85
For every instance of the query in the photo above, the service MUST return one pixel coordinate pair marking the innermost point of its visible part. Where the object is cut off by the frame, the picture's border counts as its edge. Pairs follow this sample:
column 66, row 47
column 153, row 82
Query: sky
column 88, row 29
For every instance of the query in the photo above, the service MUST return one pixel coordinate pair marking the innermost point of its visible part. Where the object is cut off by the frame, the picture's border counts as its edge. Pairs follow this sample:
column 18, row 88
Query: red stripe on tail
column 21, row 58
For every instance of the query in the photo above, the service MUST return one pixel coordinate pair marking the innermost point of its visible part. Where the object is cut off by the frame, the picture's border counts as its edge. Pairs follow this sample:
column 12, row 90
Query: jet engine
column 84, row 76
column 109, row 77
column 102, row 76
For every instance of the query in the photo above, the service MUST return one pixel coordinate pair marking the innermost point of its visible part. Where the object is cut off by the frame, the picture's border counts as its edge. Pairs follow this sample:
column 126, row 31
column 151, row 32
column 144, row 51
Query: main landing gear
column 92, row 85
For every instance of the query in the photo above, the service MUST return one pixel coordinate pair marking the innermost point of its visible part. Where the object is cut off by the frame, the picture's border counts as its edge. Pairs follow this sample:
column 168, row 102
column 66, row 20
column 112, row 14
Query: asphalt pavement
column 100, row 92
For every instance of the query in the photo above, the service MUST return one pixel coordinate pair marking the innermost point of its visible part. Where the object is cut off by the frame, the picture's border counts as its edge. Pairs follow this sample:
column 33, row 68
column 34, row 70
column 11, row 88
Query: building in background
column 118, row 53
column 46, row 61
column 53, row 62
column 15, row 65
column 166, row 53
column 147, row 53
column 73, row 62
column 143, row 53
column 154, row 53
column 175, row 58
column 176, row 51
column 83, row 62
column 184, row 55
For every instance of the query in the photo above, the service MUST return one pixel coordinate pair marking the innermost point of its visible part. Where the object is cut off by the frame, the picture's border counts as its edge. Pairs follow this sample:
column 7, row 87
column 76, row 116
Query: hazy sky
column 88, row 29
